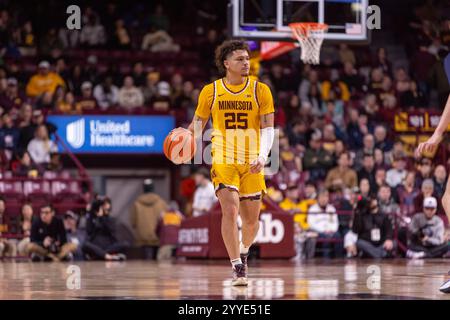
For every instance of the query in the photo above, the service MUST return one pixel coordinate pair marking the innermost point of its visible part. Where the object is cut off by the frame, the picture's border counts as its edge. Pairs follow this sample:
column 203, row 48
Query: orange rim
column 308, row 26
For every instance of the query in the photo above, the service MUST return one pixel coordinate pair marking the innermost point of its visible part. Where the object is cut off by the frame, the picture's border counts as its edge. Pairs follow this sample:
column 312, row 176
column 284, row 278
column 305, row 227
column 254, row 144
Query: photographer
column 427, row 233
column 101, row 242
column 48, row 238
column 373, row 229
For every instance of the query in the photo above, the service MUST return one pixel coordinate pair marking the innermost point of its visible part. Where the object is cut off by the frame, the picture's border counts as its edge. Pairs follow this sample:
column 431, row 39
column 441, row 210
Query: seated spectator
column 304, row 239
column 28, row 37
column 333, row 111
column 168, row 232
column 351, row 78
column 309, row 198
column 346, row 54
column 398, row 151
column 440, row 180
column 101, row 243
column 364, row 188
column 425, row 171
column 368, row 148
column 145, row 215
column 379, row 159
column 159, row 41
column 26, row 221
column 51, row 44
column 381, row 139
column 304, row 90
column 342, row 176
column 25, row 167
column 87, row 100
column 407, row 193
column 9, row 135
column 322, row 219
column 371, row 107
column 386, row 201
column 316, row 160
column 106, row 93
column 48, row 239
column 129, row 95
column 387, row 90
column 41, row 146
column 184, row 101
column 298, row 133
column 122, row 39
column 159, row 19
column 45, row 101
column 74, row 235
column 43, row 81
column 368, row 170
column 373, row 229
column 12, row 98
column 139, row 75
column 397, row 174
column 376, row 80
column 329, row 137
column 426, row 190
column 357, row 128
column 335, row 89
column 382, row 61
column 290, row 159
column 161, row 101
column 67, row 104
column 150, row 89
column 427, row 233
column 403, row 87
column 291, row 109
column 176, row 84
column 25, row 115
column 204, row 195
column 7, row 247
column 92, row 33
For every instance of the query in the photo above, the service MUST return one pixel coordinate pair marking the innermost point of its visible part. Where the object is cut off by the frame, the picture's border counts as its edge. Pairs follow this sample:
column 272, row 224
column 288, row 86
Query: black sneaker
column 69, row 257
column 239, row 275
column 35, row 257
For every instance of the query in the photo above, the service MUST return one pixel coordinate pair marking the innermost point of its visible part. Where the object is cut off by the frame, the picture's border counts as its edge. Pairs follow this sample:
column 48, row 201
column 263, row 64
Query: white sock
column 243, row 249
column 236, row 261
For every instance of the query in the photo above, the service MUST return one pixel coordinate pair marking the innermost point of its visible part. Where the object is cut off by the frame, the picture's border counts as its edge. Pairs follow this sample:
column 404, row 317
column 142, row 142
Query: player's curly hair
column 225, row 49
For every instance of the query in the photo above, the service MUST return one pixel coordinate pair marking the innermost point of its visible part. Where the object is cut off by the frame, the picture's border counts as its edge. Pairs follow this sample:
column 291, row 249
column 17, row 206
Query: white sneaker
column 415, row 255
column 445, row 288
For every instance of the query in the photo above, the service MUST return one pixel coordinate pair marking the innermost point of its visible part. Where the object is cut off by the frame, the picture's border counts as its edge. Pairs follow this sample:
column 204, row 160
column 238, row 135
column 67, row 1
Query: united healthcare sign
column 113, row 134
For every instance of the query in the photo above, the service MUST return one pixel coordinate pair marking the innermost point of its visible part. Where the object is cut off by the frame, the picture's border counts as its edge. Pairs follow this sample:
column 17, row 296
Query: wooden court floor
column 200, row 279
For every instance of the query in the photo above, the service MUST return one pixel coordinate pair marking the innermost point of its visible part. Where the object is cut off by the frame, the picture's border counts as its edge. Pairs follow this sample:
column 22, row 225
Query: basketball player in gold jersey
column 242, row 114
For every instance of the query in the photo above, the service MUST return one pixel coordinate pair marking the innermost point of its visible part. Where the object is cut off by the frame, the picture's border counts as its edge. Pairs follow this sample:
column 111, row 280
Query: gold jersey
column 235, row 111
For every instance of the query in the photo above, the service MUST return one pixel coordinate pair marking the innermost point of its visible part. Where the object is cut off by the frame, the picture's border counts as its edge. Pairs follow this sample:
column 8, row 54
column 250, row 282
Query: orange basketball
column 179, row 145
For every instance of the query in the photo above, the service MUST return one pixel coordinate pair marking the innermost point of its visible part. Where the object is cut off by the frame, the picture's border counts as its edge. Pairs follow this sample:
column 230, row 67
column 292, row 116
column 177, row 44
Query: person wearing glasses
column 48, row 239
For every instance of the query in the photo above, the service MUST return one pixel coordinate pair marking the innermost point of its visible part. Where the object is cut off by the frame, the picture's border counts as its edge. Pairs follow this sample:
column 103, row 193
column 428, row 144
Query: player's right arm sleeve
column 205, row 101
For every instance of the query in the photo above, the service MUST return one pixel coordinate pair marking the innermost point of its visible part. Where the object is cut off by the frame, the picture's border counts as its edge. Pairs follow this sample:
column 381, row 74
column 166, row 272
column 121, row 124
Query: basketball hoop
column 310, row 36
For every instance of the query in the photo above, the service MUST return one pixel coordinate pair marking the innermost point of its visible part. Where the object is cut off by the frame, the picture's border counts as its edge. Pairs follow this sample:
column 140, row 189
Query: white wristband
column 266, row 141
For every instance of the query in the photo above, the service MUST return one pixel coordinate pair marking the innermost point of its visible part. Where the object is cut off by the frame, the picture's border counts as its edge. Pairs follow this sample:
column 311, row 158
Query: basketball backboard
column 269, row 19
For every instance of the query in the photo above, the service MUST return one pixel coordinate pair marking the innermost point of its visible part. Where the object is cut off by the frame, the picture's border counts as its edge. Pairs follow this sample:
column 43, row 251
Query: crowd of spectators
column 335, row 121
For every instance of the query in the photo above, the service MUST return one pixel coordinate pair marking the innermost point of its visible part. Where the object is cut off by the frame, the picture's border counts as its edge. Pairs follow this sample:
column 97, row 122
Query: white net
column 310, row 36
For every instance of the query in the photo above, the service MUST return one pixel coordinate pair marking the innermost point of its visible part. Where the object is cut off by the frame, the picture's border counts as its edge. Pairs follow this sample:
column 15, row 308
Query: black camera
column 53, row 248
